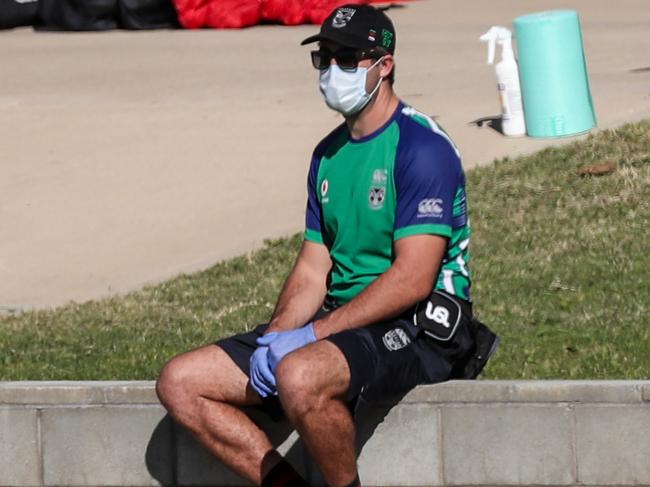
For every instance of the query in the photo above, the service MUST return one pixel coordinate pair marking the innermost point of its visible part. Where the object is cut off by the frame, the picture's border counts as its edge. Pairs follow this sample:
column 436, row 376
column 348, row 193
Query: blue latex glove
column 285, row 342
column 261, row 376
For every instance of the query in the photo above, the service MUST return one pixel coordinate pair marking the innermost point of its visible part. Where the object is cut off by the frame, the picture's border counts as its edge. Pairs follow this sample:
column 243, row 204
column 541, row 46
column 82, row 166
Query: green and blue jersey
column 404, row 179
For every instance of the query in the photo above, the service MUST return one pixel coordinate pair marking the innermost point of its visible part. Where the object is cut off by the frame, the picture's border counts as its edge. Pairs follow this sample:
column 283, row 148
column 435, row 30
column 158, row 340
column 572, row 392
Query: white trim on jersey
column 448, row 282
column 410, row 111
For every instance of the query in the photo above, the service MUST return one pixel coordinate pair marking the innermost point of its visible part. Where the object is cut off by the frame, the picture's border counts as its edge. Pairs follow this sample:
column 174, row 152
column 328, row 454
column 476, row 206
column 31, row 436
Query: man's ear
column 386, row 65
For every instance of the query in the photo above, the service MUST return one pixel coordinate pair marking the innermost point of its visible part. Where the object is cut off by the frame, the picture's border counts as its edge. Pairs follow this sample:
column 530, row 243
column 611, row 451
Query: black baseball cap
column 358, row 26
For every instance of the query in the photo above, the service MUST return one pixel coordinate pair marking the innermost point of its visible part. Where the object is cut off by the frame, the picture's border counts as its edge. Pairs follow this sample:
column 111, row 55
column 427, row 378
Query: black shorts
column 390, row 358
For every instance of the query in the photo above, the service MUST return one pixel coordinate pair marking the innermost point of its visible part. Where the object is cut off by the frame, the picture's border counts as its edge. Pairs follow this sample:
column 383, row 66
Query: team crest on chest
column 377, row 192
column 376, row 197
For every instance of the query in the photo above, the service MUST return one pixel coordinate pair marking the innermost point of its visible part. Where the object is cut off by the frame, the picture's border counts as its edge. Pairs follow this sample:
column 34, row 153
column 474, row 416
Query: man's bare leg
column 203, row 390
column 312, row 383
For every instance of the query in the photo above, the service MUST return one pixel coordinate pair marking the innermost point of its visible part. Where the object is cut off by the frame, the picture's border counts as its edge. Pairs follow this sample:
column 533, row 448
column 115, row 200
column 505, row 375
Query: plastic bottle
column 512, row 112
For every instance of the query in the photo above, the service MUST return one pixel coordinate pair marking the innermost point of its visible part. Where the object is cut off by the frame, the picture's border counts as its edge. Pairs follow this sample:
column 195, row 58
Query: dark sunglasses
column 346, row 59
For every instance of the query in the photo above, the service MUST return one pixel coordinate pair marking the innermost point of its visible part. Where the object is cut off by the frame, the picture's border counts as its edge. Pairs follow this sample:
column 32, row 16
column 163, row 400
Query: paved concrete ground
column 129, row 157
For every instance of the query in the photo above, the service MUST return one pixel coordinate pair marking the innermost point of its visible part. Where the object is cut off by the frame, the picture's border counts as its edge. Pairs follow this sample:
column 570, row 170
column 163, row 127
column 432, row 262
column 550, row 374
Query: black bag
column 485, row 344
column 148, row 14
column 79, row 15
column 17, row 13
column 439, row 316
column 458, row 336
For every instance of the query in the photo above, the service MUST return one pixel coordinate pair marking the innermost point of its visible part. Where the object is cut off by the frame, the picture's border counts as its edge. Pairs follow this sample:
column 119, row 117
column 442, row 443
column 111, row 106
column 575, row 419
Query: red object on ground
column 286, row 12
column 223, row 14
column 191, row 14
column 235, row 14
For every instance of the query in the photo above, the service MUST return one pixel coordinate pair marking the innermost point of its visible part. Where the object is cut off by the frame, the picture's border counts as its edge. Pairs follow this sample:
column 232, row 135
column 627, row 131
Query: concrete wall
column 458, row 433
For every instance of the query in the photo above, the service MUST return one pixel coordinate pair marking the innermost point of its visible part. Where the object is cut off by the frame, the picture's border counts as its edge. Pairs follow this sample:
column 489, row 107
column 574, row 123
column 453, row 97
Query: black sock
column 283, row 475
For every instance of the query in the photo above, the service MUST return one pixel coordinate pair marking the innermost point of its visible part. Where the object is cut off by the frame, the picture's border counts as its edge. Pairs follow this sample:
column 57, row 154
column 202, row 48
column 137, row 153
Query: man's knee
column 173, row 384
column 179, row 383
column 309, row 377
column 296, row 387
column 207, row 373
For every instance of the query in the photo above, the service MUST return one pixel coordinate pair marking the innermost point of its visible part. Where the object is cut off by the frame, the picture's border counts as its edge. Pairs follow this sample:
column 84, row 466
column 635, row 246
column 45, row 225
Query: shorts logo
column 395, row 339
column 430, row 208
column 342, row 17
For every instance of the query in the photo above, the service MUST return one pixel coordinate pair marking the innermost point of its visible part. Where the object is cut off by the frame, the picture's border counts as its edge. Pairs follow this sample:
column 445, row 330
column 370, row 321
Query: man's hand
column 281, row 343
column 261, row 376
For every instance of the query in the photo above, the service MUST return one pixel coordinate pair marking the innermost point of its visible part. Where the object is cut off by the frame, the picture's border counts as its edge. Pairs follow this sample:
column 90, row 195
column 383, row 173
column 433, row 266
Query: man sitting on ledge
column 378, row 299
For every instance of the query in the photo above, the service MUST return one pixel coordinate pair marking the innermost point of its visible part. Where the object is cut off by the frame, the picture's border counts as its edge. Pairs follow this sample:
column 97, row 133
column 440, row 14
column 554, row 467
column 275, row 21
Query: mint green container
column 553, row 74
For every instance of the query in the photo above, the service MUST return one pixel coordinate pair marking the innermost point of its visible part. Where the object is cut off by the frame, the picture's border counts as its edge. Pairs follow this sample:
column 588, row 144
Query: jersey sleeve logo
column 430, row 207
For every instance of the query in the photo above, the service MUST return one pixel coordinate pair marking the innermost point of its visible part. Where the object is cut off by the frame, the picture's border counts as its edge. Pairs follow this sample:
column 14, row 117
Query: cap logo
column 386, row 38
column 342, row 17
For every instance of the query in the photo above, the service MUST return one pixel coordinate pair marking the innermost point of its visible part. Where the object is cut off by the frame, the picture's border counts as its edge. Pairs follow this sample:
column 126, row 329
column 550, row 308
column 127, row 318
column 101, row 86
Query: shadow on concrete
column 160, row 454
column 493, row 122
column 369, row 415
column 174, row 458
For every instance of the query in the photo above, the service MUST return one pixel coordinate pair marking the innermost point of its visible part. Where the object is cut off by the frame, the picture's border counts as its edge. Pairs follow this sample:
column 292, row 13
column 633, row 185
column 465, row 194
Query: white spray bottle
column 512, row 112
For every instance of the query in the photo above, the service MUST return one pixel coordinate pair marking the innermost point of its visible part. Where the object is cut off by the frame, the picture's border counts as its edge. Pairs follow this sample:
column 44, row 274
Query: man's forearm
column 300, row 299
column 389, row 295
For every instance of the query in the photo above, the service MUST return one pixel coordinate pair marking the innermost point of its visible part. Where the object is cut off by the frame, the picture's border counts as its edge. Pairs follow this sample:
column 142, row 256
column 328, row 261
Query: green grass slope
column 561, row 268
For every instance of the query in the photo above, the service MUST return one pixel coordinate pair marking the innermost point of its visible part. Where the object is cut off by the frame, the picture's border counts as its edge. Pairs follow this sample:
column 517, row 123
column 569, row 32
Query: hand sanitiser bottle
column 512, row 112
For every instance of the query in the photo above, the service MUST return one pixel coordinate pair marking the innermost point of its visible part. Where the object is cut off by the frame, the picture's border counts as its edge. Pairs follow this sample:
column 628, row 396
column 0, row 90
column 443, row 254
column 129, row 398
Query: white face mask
column 345, row 91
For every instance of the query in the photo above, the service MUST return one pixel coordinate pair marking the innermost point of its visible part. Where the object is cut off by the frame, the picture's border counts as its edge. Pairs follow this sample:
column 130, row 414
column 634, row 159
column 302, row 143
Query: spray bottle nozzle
column 501, row 35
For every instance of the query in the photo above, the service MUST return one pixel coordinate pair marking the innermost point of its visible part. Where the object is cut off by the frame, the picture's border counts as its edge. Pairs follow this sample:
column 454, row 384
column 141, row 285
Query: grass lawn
column 561, row 268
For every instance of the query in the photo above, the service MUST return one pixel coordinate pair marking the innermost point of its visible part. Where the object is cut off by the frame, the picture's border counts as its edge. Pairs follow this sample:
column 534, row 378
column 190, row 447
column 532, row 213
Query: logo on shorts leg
column 395, row 339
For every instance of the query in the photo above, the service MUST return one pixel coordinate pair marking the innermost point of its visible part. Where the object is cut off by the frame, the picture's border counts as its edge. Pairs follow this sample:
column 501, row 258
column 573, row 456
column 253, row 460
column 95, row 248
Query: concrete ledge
column 530, row 433
column 64, row 393
column 628, row 392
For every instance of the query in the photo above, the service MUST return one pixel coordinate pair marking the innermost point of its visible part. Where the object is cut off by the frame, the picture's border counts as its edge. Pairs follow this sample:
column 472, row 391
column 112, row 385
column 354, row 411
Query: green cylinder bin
column 553, row 74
